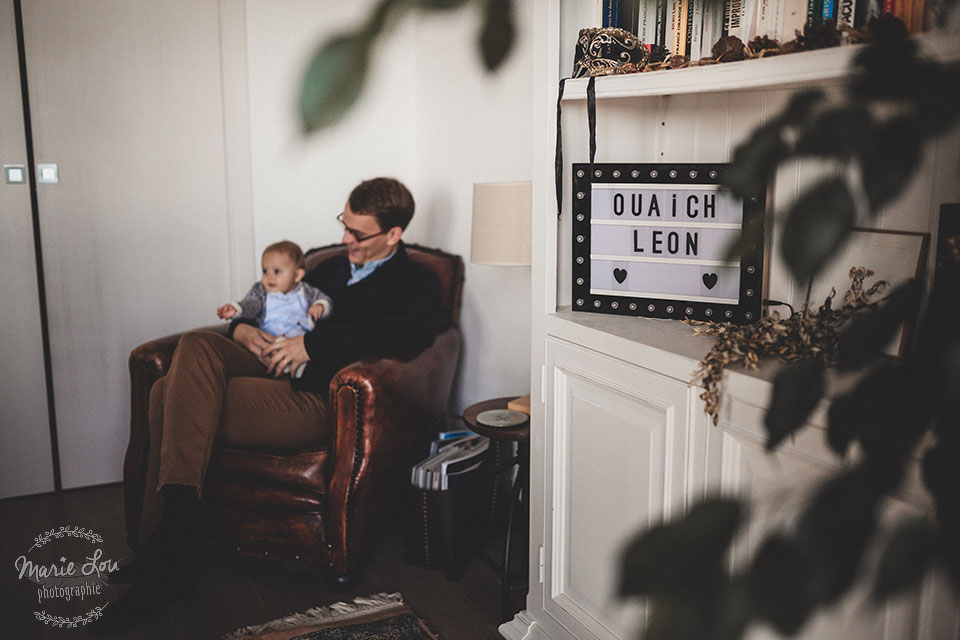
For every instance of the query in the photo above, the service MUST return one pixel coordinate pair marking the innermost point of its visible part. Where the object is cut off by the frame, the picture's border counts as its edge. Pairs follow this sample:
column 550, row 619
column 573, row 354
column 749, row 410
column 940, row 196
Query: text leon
column 671, row 243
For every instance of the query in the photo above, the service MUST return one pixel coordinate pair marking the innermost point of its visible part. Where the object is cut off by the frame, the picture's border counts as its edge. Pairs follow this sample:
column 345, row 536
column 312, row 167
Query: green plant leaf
column 779, row 583
column 833, row 531
column 941, row 476
column 871, row 331
column 801, row 106
column 889, row 160
column 886, row 412
column 816, row 227
column 797, row 388
column 497, row 33
column 937, row 97
column 840, row 131
column 681, row 557
column 756, row 160
column 334, row 80
column 905, row 559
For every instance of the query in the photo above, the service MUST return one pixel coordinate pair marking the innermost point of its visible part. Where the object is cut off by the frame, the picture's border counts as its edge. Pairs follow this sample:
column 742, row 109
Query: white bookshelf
column 599, row 379
column 795, row 70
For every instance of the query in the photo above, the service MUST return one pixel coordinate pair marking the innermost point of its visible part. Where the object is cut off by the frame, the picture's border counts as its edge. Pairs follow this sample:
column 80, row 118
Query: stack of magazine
column 453, row 457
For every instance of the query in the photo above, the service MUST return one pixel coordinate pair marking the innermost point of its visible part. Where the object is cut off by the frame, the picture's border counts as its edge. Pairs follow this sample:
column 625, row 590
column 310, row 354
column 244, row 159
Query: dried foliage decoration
column 805, row 334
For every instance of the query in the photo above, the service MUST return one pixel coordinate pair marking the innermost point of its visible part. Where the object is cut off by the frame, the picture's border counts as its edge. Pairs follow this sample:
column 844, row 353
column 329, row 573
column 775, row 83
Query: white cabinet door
column 615, row 447
column 731, row 459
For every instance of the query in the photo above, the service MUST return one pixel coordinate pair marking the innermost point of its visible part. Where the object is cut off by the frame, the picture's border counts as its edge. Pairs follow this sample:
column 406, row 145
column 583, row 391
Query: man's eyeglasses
column 358, row 236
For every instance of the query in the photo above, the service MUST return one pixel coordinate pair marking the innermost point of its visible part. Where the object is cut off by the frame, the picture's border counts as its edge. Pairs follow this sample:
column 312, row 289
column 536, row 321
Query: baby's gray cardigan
column 253, row 306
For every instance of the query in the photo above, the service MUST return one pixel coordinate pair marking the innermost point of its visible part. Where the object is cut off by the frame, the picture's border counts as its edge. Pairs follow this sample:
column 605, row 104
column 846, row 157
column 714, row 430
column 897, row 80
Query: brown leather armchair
column 318, row 508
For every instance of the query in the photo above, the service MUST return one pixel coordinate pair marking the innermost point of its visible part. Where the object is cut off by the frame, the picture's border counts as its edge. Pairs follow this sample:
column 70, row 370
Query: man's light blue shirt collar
column 358, row 273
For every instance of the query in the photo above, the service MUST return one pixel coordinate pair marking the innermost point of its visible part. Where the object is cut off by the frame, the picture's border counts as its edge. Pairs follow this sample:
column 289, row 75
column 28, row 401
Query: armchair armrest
column 147, row 363
column 381, row 409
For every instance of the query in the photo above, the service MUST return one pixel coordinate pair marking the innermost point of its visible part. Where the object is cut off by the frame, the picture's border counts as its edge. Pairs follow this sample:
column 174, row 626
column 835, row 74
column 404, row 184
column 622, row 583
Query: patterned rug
column 380, row 617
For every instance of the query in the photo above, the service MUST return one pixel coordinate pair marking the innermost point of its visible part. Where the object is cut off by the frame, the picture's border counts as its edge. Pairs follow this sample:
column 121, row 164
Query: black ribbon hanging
column 558, row 162
column 592, row 117
column 591, row 122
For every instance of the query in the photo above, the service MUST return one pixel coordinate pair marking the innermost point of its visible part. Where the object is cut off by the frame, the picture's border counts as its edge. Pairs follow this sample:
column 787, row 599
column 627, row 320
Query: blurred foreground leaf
column 497, row 33
column 889, row 160
column 905, row 560
column 816, row 227
column 870, row 332
column 333, row 81
column 679, row 558
column 797, row 388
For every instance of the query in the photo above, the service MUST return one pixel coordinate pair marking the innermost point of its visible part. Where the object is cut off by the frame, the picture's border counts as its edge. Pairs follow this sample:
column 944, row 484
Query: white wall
column 300, row 184
column 431, row 116
column 473, row 126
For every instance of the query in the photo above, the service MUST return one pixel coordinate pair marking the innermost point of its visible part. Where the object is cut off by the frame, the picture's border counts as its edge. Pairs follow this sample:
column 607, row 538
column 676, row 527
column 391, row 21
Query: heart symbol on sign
column 710, row 280
column 620, row 275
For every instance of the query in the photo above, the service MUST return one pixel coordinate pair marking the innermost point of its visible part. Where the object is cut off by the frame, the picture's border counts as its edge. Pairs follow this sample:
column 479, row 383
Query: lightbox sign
column 653, row 240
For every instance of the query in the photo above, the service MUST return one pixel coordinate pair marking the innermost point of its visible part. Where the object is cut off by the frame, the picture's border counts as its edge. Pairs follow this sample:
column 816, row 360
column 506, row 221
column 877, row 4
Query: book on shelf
column 629, row 15
column 610, row 13
column 662, row 36
column 794, row 17
column 692, row 49
column 712, row 26
column 828, row 11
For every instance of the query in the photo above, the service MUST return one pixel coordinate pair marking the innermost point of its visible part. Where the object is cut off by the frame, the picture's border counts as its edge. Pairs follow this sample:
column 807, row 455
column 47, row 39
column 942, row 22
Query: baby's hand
column 226, row 312
column 316, row 311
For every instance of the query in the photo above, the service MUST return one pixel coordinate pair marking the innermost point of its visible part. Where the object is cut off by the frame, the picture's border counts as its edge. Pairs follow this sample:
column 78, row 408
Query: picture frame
column 893, row 256
column 652, row 240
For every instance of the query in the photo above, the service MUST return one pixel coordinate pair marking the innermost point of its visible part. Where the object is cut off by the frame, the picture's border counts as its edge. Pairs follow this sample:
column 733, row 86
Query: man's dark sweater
column 396, row 310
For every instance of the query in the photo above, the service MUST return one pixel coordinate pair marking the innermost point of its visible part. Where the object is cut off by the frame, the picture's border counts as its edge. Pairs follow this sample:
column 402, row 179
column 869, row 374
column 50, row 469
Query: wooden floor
column 228, row 593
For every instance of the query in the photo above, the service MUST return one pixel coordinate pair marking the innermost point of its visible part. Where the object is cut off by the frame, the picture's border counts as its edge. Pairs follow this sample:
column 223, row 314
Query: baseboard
column 522, row 627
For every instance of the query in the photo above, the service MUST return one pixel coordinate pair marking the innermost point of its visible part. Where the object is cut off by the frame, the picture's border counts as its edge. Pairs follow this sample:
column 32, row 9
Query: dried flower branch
column 805, row 334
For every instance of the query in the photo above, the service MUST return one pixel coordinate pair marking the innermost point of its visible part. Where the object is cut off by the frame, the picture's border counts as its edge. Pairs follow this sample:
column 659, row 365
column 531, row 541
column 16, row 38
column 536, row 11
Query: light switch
column 48, row 173
column 15, row 173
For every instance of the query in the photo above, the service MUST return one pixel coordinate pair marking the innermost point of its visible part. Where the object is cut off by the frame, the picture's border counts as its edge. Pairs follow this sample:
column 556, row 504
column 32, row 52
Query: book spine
column 814, row 10
column 680, row 38
column 662, row 26
column 688, row 38
column 736, row 19
column 845, row 12
column 827, row 12
column 611, row 13
column 628, row 15
column 697, row 41
column 794, row 17
column 748, row 23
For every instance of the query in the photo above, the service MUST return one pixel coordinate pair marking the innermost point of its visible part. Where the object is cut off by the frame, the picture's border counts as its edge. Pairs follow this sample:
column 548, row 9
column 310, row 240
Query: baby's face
column 280, row 274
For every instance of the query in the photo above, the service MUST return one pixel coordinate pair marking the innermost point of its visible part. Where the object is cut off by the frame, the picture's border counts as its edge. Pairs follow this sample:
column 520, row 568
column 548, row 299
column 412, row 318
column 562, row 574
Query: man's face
column 364, row 239
column 280, row 274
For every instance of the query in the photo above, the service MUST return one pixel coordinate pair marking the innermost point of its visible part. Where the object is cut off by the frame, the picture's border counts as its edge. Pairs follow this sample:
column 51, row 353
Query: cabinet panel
column 616, row 450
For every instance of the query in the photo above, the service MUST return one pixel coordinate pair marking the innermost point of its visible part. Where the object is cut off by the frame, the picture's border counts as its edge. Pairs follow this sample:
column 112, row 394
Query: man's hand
column 226, row 312
column 316, row 311
column 285, row 352
column 253, row 339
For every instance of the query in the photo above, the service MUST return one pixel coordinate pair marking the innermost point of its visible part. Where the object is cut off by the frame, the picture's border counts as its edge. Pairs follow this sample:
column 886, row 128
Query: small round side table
column 518, row 515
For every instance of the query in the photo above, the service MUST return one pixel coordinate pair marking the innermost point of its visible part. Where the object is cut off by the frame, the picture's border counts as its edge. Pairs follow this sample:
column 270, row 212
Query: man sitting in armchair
column 233, row 388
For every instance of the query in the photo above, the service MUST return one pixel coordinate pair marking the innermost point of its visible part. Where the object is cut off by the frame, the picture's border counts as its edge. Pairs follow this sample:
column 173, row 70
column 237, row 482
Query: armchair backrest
column 447, row 266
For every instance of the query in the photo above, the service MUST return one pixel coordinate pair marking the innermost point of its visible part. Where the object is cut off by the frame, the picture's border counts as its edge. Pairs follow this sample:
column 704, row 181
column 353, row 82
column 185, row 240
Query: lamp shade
column 502, row 213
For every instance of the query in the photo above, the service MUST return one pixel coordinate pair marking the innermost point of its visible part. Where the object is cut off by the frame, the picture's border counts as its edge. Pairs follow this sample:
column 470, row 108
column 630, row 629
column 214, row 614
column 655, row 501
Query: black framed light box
column 653, row 240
